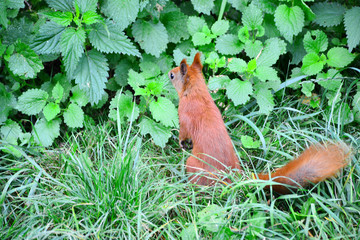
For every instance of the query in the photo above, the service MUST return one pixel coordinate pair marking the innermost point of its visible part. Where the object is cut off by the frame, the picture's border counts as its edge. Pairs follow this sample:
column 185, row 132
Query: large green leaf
column 3, row 14
column 74, row 116
column 91, row 75
column 289, row 21
column 229, row 44
column 45, row 132
column 315, row 41
column 252, row 17
column 47, row 41
column 10, row 132
column 176, row 25
column 32, row 101
column 87, row 5
column 72, row 48
column 312, row 63
column 164, row 111
column 339, row 57
column 51, row 110
column 352, row 27
column 110, row 39
column 328, row 13
column 274, row 47
column 25, row 63
column 239, row 91
column 63, row 5
column 203, row 6
column 152, row 37
column 123, row 12
column 195, row 24
column 265, row 100
column 159, row 133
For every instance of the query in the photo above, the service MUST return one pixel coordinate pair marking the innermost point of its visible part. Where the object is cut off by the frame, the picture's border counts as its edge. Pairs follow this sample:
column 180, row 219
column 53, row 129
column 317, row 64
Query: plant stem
column 223, row 4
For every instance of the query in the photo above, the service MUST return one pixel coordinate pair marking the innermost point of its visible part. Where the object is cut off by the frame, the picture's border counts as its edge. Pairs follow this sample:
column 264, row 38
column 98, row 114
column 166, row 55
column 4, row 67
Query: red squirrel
column 201, row 123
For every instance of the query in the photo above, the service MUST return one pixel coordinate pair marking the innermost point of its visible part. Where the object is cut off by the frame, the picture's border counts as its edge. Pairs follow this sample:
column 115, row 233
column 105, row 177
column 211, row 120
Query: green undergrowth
column 107, row 182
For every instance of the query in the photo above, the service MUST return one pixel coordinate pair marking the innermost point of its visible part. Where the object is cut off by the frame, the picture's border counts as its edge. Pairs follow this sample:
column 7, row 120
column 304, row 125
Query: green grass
column 106, row 182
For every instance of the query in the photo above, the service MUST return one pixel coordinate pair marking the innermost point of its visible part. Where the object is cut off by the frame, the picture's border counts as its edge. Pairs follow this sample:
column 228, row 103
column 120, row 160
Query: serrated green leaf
column 153, row 38
column 25, row 63
column 203, row 6
column 228, row 44
column 315, row 41
column 15, row 4
column 3, row 14
column 124, row 104
column 239, row 5
column 72, row 48
column 57, row 92
column 7, row 103
column 109, row 39
column 74, row 116
column 159, row 133
column 149, row 69
column 212, row 218
column 79, row 96
column 32, row 101
column 47, row 41
column 135, row 79
column 176, row 25
column 307, row 88
column 289, row 21
column 195, row 24
column 91, row 17
column 328, row 13
column 64, row 5
column 252, row 17
column 274, row 47
column 45, row 132
column 216, row 82
column 51, row 110
column 265, row 100
column 352, row 26
column 91, row 75
column 237, row 65
column 200, row 39
column 87, row 5
column 331, row 84
column 339, row 57
column 266, row 73
column 61, row 18
column 312, row 64
column 252, row 49
column 248, row 142
column 243, row 34
column 239, row 91
column 220, row 27
column 123, row 12
column 10, row 132
column 164, row 111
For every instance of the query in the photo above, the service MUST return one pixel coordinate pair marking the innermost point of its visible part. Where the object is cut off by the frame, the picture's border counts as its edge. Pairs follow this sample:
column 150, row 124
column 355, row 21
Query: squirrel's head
column 184, row 74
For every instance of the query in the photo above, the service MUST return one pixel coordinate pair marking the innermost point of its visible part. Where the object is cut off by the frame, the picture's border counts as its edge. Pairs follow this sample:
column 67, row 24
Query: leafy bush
column 58, row 56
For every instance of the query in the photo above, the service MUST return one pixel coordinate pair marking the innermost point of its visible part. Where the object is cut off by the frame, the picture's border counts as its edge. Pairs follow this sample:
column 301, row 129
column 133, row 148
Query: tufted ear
column 183, row 67
column 197, row 62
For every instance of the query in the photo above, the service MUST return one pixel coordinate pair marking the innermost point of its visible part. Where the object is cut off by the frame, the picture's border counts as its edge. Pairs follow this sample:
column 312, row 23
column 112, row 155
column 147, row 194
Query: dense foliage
column 60, row 59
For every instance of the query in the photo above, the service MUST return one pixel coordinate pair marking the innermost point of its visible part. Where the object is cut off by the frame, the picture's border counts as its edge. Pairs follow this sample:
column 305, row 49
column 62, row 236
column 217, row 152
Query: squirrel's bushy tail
column 315, row 164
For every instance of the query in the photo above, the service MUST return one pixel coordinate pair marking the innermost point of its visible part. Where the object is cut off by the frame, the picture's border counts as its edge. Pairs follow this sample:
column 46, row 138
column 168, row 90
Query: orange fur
column 202, row 123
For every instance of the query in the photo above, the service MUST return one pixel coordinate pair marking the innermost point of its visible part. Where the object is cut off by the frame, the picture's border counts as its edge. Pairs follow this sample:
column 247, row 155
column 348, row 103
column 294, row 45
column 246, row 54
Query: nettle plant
column 59, row 56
